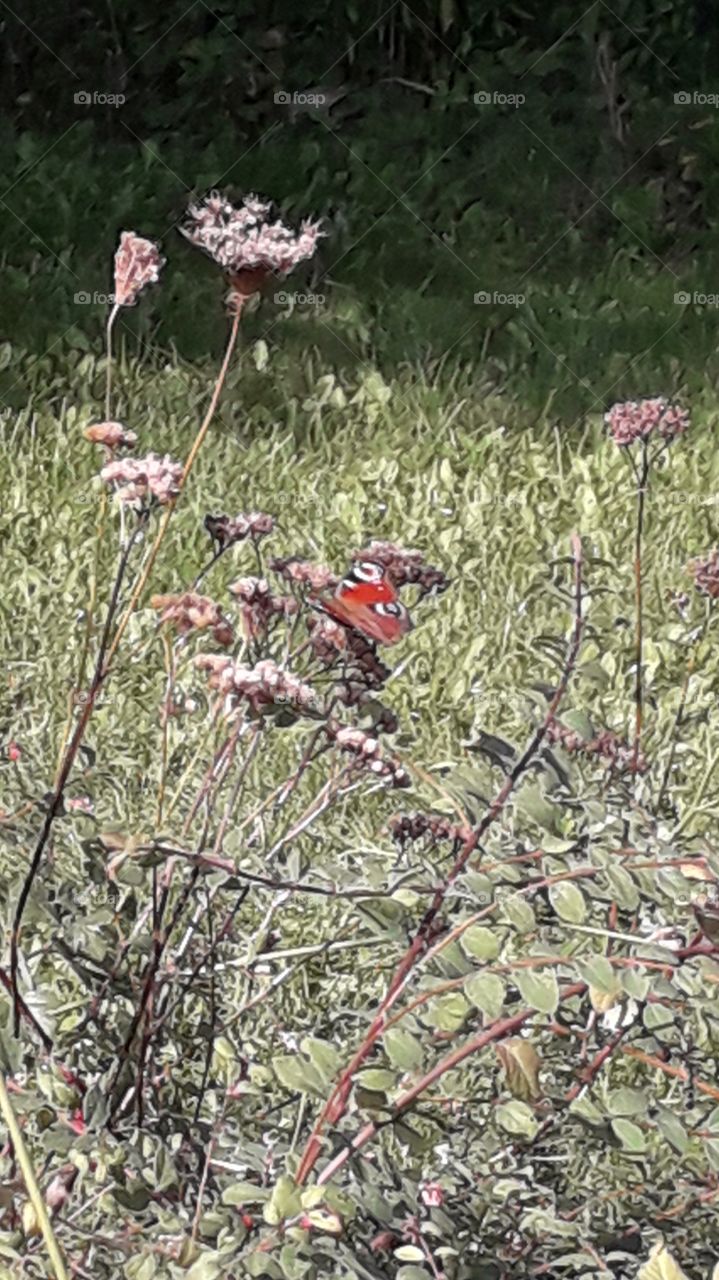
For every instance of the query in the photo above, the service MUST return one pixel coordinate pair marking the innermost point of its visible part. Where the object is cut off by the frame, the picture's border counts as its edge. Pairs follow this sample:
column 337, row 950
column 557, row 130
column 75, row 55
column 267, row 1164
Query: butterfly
column 366, row 600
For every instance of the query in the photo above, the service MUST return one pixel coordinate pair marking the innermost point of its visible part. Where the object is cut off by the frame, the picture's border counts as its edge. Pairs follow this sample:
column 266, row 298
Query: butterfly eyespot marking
column 368, row 571
column 388, row 610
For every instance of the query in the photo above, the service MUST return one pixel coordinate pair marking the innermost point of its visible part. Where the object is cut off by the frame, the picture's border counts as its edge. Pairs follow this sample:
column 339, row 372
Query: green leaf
column 409, row 1253
column 244, row 1193
column 284, row 1202
column 377, row 1080
column 140, row 1268
column 517, row 1117
column 600, row 974
column 568, row 902
column 480, row 943
column 630, row 1135
column 403, row 1050
column 296, row 1073
column 627, row 1102
column 325, row 1058
column 622, row 888
column 449, row 1012
column 487, row 992
column 519, row 913
column 539, row 989
column 672, row 1129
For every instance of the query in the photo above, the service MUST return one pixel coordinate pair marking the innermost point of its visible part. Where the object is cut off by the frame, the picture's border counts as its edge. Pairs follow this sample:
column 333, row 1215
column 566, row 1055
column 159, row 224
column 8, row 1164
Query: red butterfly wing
column 367, row 601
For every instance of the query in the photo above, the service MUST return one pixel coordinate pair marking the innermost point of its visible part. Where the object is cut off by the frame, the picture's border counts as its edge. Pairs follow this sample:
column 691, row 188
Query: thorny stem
column 425, row 934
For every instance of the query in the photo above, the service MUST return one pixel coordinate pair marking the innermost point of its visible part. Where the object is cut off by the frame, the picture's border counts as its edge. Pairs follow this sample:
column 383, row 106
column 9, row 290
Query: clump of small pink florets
column 633, row 420
column 705, row 572
column 368, row 753
column 606, row 746
column 138, row 262
column 112, row 434
column 192, row 612
column 304, row 573
column 404, row 567
column 247, row 240
column 227, row 530
column 258, row 605
column 140, row 478
column 260, row 686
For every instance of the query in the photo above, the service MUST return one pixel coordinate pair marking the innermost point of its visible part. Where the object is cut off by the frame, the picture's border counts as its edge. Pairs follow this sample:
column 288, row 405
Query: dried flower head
column 258, row 605
column 192, row 612
column 641, row 419
column 404, row 567
column 368, row 753
column 138, row 262
column 306, row 574
column 263, row 685
column 112, row 434
column 140, row 478
column 247, row 240
column 705, row 572
column 405, row 828
column 606, row 746
column 226, row 530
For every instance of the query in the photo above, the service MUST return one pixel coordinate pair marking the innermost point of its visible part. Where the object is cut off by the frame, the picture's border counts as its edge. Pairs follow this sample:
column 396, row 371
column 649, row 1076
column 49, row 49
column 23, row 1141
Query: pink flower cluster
column 139, row 478
column 606, row 746
column 306, row 574
column 111, row 434
column 404, row 567
column 263, row 685
column 258, row 605
column 368, row 753
column 640, row 419
column 226, row 530
column 705, row 572
column 192, row 612
column 246, row 237
column 138, row 262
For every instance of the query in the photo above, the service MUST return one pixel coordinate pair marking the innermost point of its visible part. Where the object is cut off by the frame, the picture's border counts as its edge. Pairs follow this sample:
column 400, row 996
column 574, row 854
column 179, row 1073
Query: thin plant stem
column 73, row 747
column 170, row 507
column 642, row 477
column 33, row 1190
column 108, row 360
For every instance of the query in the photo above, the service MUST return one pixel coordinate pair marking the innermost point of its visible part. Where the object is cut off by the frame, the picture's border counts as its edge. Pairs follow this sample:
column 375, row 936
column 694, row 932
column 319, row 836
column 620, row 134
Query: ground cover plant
column 322, row 962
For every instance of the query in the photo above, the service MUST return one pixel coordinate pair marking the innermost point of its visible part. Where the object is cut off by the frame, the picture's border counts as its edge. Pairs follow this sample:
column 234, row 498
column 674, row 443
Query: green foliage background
column 400, row 408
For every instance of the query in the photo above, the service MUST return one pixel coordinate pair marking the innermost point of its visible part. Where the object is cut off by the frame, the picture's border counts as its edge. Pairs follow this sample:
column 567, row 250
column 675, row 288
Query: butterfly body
column 366, row 600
